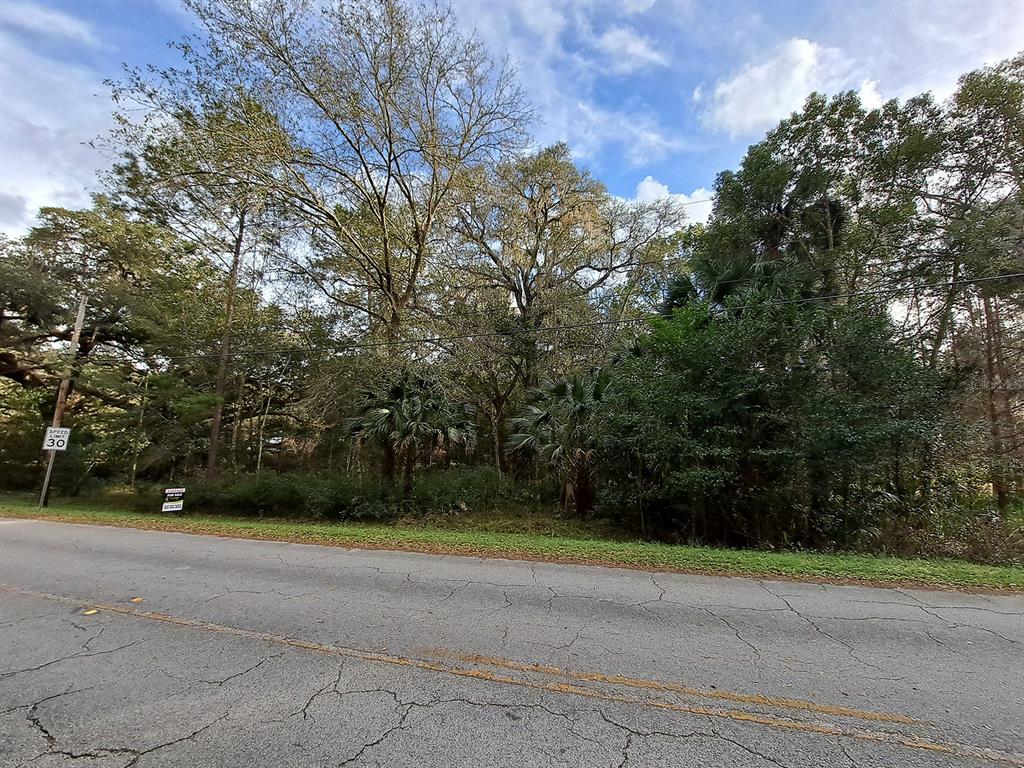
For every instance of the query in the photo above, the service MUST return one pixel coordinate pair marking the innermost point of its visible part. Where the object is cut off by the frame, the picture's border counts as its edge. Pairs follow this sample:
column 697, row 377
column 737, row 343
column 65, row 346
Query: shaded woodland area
column 331, row 276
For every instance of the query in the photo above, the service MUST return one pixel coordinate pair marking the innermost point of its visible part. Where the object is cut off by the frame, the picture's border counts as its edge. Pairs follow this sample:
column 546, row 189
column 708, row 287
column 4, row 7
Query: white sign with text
column 56, row 438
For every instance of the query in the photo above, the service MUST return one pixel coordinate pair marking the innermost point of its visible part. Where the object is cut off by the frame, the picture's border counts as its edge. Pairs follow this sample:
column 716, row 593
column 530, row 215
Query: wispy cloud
column 176, row 9
column 553, row 47
column 631, row 84
column 628, row 51
column 634, row 7
column 51, row 109
column 38, row 19
column 909, row 52
column 635, row 135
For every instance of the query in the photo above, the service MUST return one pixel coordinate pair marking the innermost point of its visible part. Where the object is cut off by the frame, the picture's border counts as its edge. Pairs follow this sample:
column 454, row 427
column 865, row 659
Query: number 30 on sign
column 56, row 438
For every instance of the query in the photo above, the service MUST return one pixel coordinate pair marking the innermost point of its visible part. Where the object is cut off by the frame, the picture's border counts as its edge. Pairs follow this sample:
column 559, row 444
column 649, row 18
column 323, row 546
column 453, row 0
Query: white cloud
column 628, row 51
column 869, row 95
column 545, row 21
column 50, row 110
column 910, row 52
column 759, row 94
column 651, row 189
column 879, row 51
column 35, row 18
column 698, row 204
column 635, row 7
column 528, row 33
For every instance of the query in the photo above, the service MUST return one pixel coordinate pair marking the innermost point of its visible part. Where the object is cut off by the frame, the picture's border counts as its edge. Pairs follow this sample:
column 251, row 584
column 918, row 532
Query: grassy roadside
column 841, row 568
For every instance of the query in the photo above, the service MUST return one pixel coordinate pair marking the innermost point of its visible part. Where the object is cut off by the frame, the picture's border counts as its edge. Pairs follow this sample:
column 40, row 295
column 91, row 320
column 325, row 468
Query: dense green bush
column 347, row 497
column 474, row 489
column 326, row 497
column 978, row 538
column 354, row 497
column 758, row 428
column 24, row 416
column 264, row 494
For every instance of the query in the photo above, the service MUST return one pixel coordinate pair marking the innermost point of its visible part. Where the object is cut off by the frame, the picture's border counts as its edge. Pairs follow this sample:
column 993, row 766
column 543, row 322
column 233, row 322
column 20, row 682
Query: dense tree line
column 327, row 247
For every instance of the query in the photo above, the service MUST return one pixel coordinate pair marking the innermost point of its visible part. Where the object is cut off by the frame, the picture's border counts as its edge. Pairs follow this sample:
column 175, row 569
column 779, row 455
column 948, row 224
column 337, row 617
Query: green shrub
column 335, row 497
column 266, row 494
column 147, row 498
column 475, row 490
column 456, row 489
column 258, row 495
column 984, row 538
column 348, row 497
column 353, row 497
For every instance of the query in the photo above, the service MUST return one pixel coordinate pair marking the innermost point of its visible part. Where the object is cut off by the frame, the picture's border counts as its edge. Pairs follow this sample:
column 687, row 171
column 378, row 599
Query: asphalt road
column 132, row 648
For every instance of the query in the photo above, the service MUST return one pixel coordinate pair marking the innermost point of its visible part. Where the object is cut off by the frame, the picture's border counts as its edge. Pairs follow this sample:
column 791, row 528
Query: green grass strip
column 840, row 568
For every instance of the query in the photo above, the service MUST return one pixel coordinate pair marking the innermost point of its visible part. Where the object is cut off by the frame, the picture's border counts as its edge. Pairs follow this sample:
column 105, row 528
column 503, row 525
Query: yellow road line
column 630, row 682
column 895, row 739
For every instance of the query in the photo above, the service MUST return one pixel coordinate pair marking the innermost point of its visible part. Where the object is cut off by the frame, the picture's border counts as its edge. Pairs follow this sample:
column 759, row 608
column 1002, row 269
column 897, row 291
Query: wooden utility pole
column 62, row 395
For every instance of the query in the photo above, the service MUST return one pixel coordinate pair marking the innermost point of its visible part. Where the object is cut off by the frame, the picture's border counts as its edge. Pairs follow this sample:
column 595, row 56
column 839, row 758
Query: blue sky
column 654, row 96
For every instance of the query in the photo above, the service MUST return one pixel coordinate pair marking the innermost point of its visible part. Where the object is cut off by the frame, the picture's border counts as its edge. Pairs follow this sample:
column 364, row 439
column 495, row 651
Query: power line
column 595, row 323
column 668, row 261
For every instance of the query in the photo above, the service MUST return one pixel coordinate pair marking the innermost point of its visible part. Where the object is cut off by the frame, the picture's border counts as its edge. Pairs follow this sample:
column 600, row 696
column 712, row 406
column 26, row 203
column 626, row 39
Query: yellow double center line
column 653, row 685
column 893, row 738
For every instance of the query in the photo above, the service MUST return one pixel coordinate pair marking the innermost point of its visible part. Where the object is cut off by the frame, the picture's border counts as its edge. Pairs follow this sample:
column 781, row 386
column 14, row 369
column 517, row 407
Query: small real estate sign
column 56, row 438
column 174, row 500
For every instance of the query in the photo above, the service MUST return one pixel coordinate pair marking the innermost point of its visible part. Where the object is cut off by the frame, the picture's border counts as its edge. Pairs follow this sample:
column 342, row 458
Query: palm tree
column 410, row 417
column 557, row 428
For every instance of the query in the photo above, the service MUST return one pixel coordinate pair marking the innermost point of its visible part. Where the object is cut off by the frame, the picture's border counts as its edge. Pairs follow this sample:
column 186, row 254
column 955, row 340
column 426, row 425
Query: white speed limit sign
column 56, row 438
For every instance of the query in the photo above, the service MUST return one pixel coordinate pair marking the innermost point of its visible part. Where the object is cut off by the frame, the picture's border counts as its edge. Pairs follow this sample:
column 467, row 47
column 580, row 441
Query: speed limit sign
column 56, row 438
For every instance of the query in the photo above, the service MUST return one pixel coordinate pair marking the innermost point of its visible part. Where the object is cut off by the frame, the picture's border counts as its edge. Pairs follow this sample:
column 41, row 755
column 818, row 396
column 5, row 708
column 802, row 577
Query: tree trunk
column 947, row 312
column 1010, row 433
column 583, row 481
column 137, row 445
column 225, row 351
column 584, row 492
column 999, row 486
column 498, row 423
column 390, row 461
column 567, row 496
column 260, row 438
column 236, row 427
column 410, row 466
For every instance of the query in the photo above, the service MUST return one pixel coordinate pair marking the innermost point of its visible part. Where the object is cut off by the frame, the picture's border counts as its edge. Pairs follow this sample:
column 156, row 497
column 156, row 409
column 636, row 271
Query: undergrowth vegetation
column 322, row 287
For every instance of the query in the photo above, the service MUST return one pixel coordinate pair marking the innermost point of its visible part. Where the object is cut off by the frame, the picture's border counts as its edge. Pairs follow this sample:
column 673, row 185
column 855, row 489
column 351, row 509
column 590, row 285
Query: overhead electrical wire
column 482, row 311
column 578, row 326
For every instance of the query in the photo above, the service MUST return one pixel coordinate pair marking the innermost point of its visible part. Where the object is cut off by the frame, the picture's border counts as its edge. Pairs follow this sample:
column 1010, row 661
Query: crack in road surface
column 893, row 738
column 246, row 671
column 52, row 740
column 373, row 677
column 849, row 648
column 67, row 658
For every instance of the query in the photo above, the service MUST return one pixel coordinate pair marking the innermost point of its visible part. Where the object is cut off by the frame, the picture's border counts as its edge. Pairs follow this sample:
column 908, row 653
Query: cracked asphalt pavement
column 134, row 648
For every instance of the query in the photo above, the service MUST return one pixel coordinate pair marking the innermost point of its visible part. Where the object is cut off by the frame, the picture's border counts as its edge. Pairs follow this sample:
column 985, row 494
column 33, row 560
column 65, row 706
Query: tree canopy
column 329, row 247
